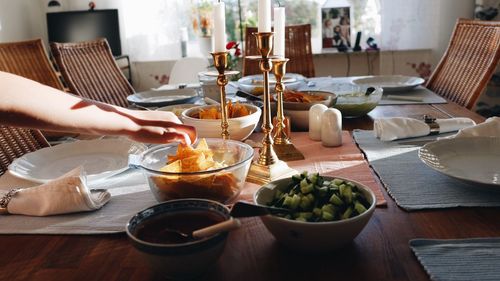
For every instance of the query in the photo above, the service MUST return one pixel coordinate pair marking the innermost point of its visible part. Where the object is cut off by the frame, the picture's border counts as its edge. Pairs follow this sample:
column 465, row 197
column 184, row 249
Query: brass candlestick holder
column 267, row 167
column 220, row 63
column 283, row 146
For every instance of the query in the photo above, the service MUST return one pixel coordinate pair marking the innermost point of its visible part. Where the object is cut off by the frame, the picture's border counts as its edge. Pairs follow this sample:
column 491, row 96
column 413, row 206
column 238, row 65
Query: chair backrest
column 186, row 70
column 297, row 48
column 90, row 71
column 468, row 63
column 29, row 59
column 15, row 142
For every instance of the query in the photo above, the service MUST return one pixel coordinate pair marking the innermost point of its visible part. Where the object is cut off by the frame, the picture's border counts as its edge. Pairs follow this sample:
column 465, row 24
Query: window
column 366, row 17
column 151, row 29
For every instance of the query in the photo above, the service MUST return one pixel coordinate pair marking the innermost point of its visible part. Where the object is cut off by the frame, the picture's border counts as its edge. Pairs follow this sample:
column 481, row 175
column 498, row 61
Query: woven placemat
column 459, row 260
column 411, row 183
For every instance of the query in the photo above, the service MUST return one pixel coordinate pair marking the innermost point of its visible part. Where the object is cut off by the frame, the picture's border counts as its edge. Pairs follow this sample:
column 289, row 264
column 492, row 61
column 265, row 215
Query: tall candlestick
column 219, row 14
column 264, row 15
column 279, row 32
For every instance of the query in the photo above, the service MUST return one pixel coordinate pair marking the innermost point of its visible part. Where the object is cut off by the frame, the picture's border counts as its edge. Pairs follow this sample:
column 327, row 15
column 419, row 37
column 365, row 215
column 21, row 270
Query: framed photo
column 336, row 28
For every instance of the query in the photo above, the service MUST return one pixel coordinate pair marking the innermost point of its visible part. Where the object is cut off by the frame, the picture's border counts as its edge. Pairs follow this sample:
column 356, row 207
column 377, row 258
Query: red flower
column 231, row 45
column 237, row 53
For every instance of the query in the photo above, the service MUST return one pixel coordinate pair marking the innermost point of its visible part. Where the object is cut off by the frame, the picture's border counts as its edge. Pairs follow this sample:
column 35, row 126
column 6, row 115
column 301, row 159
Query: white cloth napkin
column 489, row 128
column 388, row 129
column 67, row 194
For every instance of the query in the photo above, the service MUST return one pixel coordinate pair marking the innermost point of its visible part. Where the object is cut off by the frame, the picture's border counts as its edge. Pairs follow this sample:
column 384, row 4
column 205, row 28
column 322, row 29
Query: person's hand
column 159, row 127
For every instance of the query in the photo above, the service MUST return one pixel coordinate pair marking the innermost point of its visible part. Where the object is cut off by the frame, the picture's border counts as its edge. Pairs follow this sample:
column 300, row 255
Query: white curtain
column 421, row 24
column 409, row 24
column 152, row 28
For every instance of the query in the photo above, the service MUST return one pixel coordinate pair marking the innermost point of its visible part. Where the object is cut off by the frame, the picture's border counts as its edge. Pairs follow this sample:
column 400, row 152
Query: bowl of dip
column 358, row 102
column 173, row 256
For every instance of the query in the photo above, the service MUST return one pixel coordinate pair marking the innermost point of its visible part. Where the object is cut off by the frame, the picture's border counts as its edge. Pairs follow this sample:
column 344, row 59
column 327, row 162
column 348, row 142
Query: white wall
column 22, row 20
column 26, row 19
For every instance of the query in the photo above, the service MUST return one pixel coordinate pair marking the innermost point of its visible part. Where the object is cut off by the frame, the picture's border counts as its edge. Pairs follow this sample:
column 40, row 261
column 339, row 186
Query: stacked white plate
column 391, row 83
column 99, row 158
column 475, row 160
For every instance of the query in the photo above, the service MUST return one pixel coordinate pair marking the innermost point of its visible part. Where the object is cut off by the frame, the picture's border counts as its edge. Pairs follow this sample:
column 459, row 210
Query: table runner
column 459, row 260
column 343, row 161
column 335, row 84
column 130, row 192
column 411, row 183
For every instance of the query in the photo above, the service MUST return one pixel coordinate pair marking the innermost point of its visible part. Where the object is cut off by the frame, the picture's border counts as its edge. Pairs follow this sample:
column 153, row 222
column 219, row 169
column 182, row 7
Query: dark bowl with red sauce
column 171, row 255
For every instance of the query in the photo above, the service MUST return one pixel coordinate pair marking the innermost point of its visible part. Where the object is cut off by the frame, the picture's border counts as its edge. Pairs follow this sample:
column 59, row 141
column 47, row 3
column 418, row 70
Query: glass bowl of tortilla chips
column 212, row 169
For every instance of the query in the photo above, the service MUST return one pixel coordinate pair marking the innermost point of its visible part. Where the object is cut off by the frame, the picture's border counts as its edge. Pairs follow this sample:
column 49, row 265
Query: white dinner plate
column 99, row 158
column 250, row 83
column 391, row 83
column 164, row 97
column 475, row 160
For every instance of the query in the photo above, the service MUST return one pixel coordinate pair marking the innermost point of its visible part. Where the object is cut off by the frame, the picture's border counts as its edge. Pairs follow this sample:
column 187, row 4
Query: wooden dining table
column 380, row 251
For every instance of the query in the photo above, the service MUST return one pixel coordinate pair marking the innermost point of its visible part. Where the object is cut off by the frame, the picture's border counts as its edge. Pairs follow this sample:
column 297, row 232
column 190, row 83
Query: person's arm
column 25, row 103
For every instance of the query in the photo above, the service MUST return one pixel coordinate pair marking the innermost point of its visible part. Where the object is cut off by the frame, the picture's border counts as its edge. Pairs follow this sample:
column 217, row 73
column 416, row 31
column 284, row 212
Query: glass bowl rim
column 162, row 146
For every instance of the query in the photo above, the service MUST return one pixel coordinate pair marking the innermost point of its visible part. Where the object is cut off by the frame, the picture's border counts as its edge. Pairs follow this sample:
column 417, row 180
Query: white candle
column 279, row 32
column 264, row 14
column 219, row 14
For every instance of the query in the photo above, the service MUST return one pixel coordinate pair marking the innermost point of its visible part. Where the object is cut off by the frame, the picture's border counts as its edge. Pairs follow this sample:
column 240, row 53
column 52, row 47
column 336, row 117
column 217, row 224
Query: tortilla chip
column 174, row 167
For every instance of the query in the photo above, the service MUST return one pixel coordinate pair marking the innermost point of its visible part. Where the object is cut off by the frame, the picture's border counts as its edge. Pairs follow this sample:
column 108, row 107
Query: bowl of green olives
column 326, row 213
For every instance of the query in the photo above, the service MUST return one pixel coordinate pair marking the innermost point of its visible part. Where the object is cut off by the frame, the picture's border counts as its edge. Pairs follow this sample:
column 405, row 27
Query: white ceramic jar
column 331, row 127
column 315, row 113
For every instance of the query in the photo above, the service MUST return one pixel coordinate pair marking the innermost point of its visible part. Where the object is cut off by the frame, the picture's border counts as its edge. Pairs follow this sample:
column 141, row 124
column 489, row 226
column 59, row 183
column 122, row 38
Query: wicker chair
column 29, row 59
column 297, row 49
column 15, row 142
column 91, row 72
column 468, row 63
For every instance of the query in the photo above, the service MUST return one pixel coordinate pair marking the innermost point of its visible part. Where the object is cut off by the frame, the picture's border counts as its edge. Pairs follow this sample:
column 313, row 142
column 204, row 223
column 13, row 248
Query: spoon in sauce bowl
column 208, row 231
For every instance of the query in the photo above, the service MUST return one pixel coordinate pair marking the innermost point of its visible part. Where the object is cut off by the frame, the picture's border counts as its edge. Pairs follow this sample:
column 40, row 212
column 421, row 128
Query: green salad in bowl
column 359, row 101
column 316, row 199
column 327, row 212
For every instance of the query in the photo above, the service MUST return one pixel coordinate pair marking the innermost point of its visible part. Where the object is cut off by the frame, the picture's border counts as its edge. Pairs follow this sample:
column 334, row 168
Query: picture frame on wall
column 336, row 28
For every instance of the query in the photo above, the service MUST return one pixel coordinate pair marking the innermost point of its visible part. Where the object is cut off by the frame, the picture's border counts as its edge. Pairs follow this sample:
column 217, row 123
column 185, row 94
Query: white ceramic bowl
column 299, row 112
column 239, row 128
column 314, row 237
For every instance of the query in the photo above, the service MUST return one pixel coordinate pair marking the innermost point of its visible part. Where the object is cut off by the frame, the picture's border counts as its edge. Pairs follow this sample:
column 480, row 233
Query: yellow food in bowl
column 297, row 96
column 219, row 186
column 233, row 111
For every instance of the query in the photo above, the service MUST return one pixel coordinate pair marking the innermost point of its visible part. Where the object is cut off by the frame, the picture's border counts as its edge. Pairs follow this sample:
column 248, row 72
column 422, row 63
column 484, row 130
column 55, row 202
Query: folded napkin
column 388, row 129
column 489, row 128
column 67, row 194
